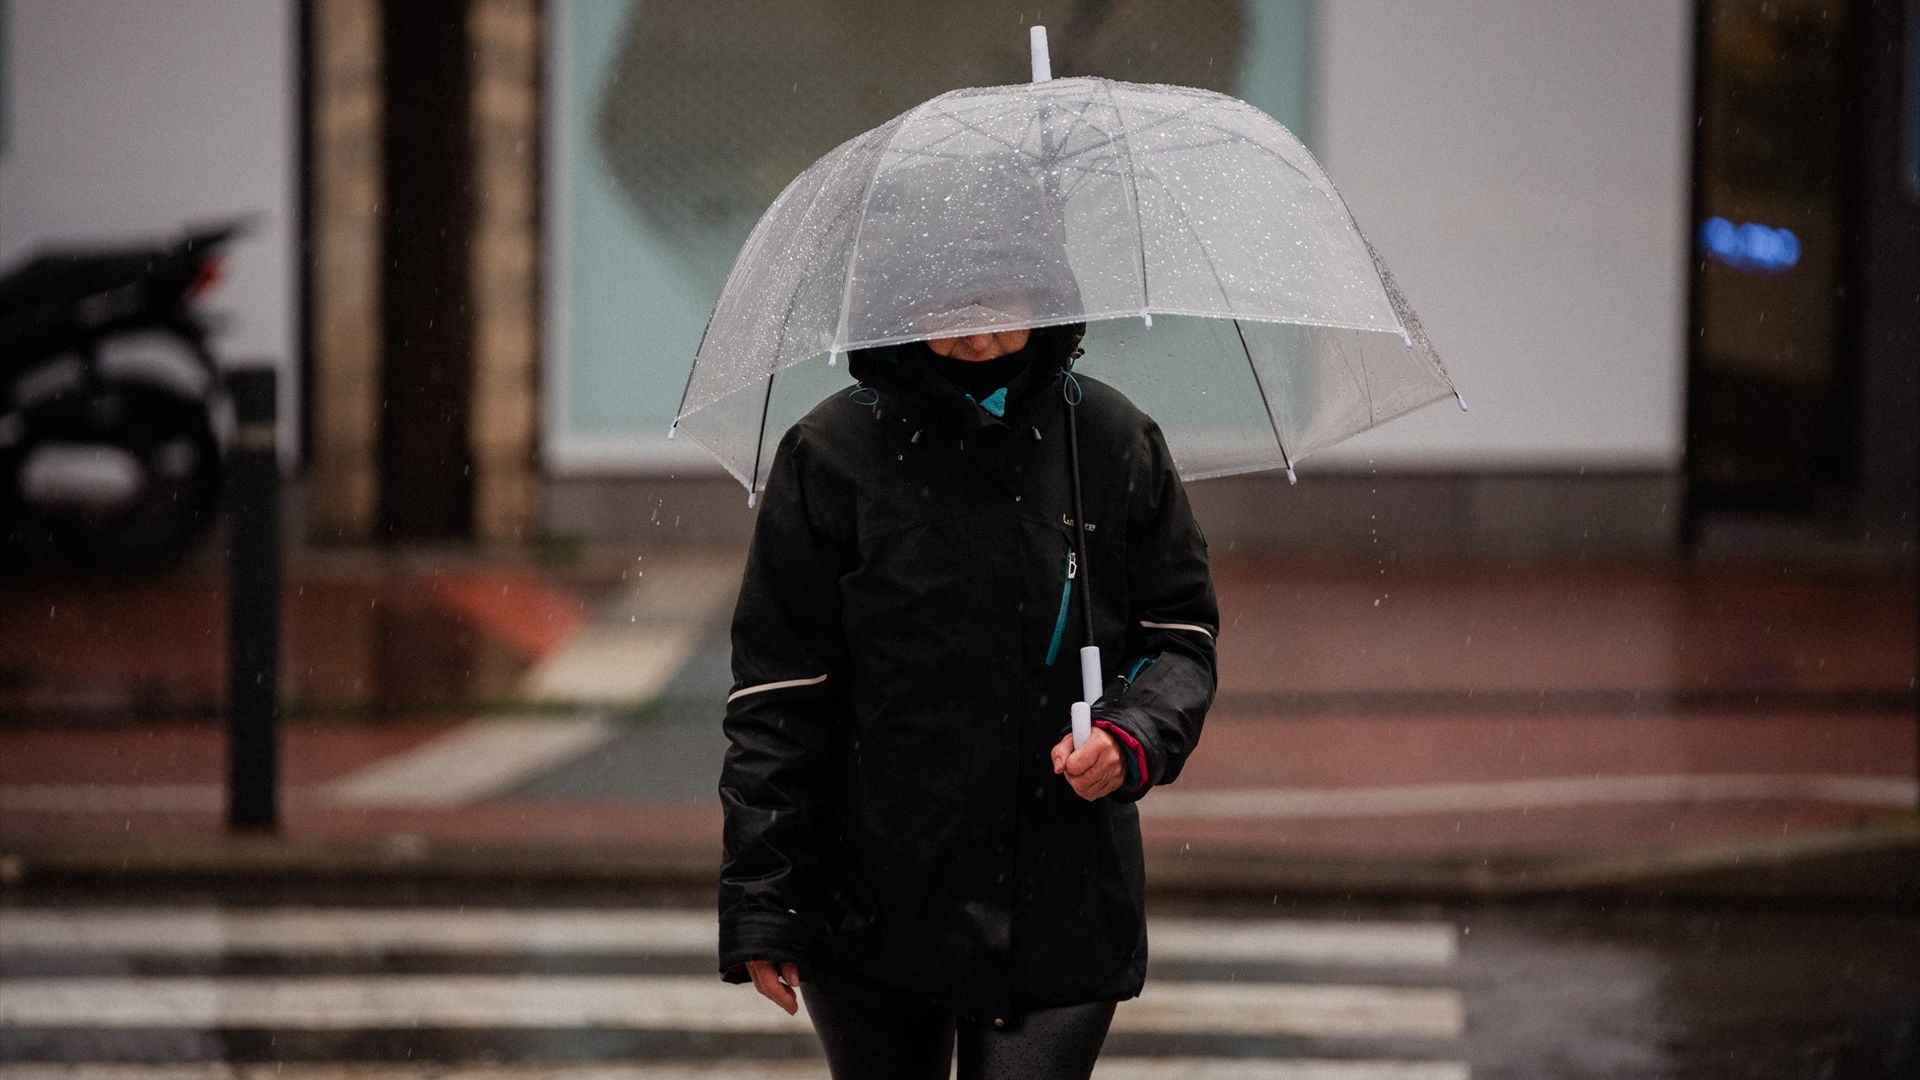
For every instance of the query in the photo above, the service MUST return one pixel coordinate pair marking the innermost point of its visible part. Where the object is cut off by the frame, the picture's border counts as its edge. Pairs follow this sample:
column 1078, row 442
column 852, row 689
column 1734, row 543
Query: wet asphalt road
column 405, row 984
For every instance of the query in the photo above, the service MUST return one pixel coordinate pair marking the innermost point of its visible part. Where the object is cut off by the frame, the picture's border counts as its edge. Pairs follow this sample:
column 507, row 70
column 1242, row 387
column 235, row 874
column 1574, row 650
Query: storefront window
column 672, row 127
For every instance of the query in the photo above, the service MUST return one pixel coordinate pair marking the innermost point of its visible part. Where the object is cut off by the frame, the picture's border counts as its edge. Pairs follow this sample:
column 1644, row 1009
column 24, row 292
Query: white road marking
column 1294, row 1069
column 736, row 1069
column 470, row 762
column 1537, row 794
column 1251, row 1008
column 1410, row 944
column 636, row 644
column 611, row 665
column 311, row 931
column 660, row 932
column 679, row 1003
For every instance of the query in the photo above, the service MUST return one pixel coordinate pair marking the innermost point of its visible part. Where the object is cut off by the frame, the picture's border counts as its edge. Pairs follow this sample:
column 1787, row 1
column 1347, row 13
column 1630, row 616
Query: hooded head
column 914, row 369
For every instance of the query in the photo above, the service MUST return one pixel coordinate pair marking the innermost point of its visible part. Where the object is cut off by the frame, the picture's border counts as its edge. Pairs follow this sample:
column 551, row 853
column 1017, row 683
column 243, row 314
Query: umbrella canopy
column 1280, row 331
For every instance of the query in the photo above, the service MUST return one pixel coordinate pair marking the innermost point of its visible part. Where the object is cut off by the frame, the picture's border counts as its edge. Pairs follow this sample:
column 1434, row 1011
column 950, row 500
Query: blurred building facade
column 1669, row 250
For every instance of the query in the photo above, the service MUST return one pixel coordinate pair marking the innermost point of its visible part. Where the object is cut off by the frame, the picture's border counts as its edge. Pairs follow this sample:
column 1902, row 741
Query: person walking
column 912, row 843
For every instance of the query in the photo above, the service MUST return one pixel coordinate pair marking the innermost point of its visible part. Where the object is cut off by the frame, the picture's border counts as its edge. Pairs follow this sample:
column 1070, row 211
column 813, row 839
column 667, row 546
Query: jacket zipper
column 1135, row 673
column 1066, row 604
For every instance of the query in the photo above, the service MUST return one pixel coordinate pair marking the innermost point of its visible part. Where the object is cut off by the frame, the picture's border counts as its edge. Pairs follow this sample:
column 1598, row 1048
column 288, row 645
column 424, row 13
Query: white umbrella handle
column 1089, row 691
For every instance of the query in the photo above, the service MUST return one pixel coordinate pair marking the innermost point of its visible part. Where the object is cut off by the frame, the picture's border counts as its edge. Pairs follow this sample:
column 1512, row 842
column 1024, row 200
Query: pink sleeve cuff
column 1129, row 745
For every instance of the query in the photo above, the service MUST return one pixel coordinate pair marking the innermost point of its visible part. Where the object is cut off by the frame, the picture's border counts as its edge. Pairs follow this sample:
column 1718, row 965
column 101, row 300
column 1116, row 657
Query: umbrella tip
column 1406, row 338
column 1460, row 400
column 673, row 429
column 833, row 357
column 753, row 499
column 1037, row 45
column 1291, row 479
column 1146, row 316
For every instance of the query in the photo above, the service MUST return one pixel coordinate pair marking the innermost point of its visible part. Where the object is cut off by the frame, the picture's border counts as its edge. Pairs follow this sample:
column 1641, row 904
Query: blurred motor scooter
column 113, row 416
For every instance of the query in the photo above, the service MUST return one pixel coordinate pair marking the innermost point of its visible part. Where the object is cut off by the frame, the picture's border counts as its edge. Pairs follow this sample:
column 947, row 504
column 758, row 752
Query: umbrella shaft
column 1079, row 525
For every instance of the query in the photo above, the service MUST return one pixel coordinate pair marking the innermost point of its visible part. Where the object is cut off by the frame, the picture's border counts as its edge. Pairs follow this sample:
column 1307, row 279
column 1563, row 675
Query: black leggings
column 867, row 1041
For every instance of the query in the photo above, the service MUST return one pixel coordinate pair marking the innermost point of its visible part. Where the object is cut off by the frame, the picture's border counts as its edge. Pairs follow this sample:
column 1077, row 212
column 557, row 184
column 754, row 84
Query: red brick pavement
column 1336, row 676
column 383, row 642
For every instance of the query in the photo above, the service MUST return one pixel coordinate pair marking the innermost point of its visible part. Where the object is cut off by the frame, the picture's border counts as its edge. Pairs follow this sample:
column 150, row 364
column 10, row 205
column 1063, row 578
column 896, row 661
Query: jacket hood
column 913, row 392
column 908, row 383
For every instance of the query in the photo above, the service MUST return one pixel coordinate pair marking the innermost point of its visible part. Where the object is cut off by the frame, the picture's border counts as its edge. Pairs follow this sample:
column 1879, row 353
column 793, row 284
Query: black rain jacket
column 905, row 651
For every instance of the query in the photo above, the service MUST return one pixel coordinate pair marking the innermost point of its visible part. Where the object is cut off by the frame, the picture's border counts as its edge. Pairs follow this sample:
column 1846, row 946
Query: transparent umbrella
column 1279, row 330
column 1076, row 200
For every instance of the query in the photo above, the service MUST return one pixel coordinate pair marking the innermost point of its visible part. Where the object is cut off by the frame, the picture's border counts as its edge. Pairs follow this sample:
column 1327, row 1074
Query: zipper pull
column 1073, row 565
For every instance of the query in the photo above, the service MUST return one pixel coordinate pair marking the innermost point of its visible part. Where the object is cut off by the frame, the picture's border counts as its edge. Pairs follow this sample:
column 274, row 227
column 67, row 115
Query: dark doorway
column 1767, row 415
column 426, row 481
column 1799, row 399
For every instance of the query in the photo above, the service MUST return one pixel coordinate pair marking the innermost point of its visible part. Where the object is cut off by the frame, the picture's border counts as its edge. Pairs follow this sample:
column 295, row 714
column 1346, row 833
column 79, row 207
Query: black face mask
column 983, row 377
column 978, row 377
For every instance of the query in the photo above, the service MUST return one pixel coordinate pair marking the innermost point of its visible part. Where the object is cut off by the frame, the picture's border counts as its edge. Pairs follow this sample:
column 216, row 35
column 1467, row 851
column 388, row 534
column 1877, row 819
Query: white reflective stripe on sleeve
column 781, row 685
column 1177, row 626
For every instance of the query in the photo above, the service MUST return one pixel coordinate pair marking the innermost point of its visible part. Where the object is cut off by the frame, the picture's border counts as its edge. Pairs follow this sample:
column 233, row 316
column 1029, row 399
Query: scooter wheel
column 170, row 438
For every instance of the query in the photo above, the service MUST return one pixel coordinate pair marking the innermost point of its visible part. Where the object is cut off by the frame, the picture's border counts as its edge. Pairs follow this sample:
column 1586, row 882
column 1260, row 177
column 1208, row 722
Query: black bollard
column 253, row 605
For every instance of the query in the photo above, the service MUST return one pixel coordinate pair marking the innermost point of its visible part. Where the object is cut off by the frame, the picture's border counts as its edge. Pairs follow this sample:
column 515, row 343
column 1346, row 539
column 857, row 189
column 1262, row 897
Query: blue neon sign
column 1750, row 246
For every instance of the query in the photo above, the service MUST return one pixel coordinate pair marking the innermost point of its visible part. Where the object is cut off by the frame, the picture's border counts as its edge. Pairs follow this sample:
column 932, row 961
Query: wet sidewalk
column 1482, row 725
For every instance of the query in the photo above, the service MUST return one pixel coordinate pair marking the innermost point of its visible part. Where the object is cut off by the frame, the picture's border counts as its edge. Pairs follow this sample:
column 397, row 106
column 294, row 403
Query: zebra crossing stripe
column 1409, row 944
column 1295, row 1009
column 311, row 931
column 680, row 1003
column 1108, row 1069
column 1299, row 1069
column 352, row 930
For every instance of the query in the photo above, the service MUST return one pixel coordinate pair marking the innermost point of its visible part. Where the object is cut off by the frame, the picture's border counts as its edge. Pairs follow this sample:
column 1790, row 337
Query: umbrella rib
column 1066, row 136
column 1094, row 169
column 1252, row 365
column 1167, row 118
column 773, row 365
column 1359, row 380
column 1170, row 117
column 1205, row 253
column 989, row 136
column 964, row 158
column 1232, row 137
column 751, row 247
column 691, row 368
column 760, row 440
column 1265, row 402
column 747, row 251
column 793, row 300
column 1088, row 171
column 1033, row 121
column 1133, row 194
column 1062, row 156
column 951, row 134
column 1190, row 147
column 1366, row 383
column 860, row 223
